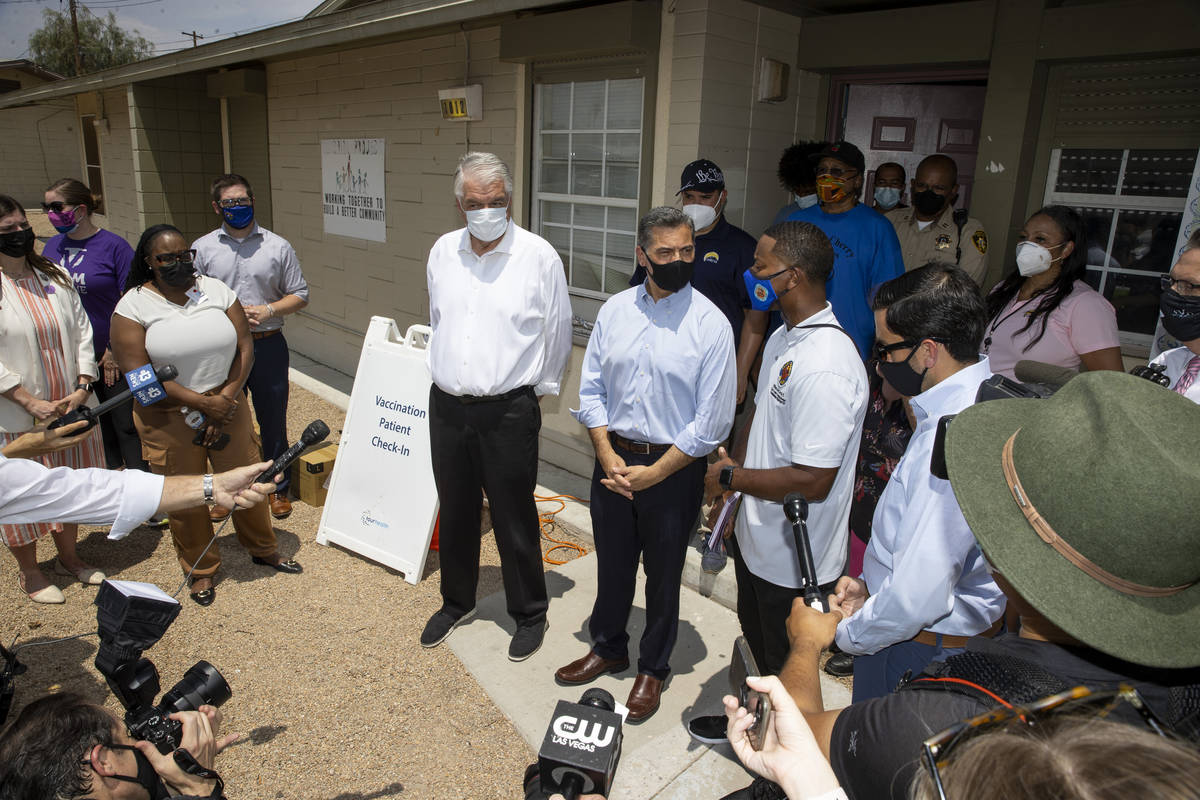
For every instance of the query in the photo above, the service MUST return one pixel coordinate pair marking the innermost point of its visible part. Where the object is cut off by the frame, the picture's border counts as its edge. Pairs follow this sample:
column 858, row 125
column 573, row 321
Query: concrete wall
column 38, row 144
column 386, row 91
column 176, row 152
column 718, row 46
column 249, row 152
column 114, row 134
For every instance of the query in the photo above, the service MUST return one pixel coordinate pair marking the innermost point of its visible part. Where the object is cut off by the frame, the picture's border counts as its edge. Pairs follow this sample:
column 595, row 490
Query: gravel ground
column 332, row 694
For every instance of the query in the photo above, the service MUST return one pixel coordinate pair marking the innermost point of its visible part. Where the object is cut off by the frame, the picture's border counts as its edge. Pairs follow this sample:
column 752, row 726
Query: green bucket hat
column 1107, row 546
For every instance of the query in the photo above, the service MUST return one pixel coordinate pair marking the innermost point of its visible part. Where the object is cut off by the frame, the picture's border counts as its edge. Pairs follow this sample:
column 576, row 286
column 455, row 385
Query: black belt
column 468, row 399
column 637, row 448
column 265, row 334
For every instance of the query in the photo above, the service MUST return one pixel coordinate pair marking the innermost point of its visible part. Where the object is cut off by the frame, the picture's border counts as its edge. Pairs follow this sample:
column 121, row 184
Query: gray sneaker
column 440, row 625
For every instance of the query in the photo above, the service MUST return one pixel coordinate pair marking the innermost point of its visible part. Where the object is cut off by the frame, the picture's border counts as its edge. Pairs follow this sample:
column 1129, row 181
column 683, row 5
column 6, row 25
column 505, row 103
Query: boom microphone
column 315, row 433
column 142, row 383
column 795, row 505
column 582, row 746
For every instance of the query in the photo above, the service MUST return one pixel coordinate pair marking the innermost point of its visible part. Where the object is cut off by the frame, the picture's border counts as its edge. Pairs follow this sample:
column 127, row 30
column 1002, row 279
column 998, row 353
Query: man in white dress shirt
column 925, row 587
column 501, row 323
column 1180, row 305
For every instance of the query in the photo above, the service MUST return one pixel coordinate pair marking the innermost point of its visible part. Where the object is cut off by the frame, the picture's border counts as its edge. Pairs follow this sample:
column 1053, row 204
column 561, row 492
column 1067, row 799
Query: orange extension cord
column 546, row 519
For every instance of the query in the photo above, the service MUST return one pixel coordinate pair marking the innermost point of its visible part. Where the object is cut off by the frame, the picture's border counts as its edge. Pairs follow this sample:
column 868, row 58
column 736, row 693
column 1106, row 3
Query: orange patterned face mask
column 831, row 189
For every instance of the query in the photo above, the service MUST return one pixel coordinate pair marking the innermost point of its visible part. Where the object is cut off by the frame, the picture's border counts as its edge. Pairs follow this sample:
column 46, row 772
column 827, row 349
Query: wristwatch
column 87, row 387
column 208, row 491
column 726, row 477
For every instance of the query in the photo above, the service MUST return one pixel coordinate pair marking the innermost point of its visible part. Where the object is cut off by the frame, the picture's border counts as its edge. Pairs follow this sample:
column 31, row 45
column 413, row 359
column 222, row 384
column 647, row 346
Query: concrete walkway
column 658, row 759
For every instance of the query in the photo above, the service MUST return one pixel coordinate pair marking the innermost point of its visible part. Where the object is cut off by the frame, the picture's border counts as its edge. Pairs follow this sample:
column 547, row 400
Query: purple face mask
column 64, row 221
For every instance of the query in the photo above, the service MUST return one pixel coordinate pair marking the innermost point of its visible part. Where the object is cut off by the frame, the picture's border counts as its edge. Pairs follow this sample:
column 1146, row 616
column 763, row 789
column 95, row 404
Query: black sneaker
column 709, row 729
column 761, row 789
column 840, row 665
column 440, row 625
column 527, row 640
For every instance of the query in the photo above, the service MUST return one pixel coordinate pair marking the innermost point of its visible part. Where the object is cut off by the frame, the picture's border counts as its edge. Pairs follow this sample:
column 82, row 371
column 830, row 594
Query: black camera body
column 136, row 684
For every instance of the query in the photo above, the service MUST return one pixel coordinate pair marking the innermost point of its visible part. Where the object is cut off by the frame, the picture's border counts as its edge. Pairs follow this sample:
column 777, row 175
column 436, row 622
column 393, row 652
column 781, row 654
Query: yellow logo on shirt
column 712, row 257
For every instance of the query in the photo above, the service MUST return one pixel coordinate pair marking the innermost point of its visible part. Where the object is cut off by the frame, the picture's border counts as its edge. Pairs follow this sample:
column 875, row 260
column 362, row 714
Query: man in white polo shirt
column 803, row 436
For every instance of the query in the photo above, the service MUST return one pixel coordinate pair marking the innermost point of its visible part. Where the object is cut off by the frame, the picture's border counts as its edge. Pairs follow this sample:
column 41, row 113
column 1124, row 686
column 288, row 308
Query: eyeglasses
column 171, row 259
column 234, row 202
column 836, row 172
column 883, row 350
column 937, row 749
column 1186, row 288
column 57, row 206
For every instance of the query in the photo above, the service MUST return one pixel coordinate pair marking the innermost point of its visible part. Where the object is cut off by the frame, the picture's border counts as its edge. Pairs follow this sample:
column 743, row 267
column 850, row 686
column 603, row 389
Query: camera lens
column 200, row 685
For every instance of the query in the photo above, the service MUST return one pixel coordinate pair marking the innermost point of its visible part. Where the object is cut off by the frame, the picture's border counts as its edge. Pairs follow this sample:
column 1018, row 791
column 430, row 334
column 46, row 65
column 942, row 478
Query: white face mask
column 702, row 215
column 487, row 224
column 1032, row 259
column 807, row 201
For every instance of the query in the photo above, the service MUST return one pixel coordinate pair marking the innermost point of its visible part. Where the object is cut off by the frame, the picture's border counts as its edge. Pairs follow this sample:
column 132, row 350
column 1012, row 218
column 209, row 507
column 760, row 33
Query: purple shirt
column 99, row 266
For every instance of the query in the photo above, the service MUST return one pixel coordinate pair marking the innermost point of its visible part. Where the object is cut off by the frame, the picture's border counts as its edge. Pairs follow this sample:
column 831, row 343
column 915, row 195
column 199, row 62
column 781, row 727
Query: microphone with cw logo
column 582, row 746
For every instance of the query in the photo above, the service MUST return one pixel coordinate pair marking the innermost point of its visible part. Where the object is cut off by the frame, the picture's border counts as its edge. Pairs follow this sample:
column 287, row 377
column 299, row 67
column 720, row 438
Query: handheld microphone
column 313, row 434
column 796, row 507
column 582, row 746
column 143, row 384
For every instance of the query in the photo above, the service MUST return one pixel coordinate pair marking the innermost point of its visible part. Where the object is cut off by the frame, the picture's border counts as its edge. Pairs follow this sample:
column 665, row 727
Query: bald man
column 928, row 230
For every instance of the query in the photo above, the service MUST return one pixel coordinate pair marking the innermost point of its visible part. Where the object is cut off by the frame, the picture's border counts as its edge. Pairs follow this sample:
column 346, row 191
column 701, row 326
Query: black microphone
column 313, row 434
column 582, row 746
column 795, row 505
column 141, row 383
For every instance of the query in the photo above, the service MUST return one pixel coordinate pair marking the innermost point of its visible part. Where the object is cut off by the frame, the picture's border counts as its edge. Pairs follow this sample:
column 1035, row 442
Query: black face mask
column 178, row 275
column 147, row 778
column 17, row 243
column 903, row 378
column 672, row 276
column 1180, row 315
column 928, row 202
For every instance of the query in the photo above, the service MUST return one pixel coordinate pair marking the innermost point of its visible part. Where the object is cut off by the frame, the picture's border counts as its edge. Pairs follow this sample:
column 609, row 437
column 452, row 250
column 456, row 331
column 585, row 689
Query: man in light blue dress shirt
column 657, row 396
column 925, row 588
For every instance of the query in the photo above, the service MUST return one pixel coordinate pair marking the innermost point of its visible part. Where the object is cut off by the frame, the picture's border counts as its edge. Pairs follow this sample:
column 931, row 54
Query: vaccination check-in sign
column 382, row 502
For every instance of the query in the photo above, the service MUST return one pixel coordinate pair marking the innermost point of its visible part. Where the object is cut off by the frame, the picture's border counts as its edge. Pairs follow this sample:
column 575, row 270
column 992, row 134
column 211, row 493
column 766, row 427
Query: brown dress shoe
column 588, row 668
column 643, row 697
column 219, row 513
column 281, row 507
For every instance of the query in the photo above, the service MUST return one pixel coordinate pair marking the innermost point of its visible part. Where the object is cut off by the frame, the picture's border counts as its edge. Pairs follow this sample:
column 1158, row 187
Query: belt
column 637, row 448
column 469, row 399
column 265, row 334
column 948, row 640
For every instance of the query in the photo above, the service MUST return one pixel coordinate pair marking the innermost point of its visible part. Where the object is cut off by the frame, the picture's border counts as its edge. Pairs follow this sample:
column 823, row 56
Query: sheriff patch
column 712, row 257
column 942, row 242
column 979, row 239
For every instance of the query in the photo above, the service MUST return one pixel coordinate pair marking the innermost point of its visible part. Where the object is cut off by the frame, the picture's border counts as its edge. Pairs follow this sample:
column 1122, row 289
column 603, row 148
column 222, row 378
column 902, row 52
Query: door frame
column 840, row 83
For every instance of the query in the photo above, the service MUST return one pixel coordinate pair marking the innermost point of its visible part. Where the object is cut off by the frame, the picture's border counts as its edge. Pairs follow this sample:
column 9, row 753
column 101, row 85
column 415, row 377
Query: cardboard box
column 311, row 472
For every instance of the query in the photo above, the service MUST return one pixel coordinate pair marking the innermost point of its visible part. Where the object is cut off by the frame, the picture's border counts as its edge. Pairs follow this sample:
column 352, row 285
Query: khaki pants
column 167, row 446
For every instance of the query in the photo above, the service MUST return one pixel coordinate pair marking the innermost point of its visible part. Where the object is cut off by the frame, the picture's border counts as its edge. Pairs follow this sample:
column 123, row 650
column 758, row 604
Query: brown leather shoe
column 281, row 507
column 219, row 513
column 643, row 698
column 588, row 668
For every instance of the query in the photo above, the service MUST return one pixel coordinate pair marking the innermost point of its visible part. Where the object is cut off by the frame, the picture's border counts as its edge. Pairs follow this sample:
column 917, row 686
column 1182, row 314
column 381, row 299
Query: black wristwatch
column 87, row 387
column 726, row 478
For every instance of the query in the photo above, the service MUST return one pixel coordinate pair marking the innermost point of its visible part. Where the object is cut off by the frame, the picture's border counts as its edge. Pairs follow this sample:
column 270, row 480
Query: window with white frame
column 1132, row 202
column 587, row 172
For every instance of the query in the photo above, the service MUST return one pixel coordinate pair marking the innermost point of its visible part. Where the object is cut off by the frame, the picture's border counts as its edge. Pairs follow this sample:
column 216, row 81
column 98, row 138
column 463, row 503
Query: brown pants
column 167, row 446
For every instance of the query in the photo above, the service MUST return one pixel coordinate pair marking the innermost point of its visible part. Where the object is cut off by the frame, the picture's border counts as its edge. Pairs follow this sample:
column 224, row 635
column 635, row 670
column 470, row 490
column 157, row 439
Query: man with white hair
column 501, row 323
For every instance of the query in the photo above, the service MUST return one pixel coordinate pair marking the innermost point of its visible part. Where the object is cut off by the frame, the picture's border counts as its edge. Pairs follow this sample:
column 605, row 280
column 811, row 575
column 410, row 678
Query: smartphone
column 222, row 440
column 756, row 703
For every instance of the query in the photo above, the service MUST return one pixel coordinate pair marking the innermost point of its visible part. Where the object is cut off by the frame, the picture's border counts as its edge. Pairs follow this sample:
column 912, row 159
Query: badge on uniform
column 979, row 239
column 785, row 372
column 942, row 242
column 712, row 257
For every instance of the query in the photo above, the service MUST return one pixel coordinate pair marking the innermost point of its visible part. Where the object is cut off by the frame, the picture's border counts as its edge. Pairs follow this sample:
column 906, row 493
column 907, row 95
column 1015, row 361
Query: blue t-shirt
column 866, row 253
column 722, row 255
column 99, row 265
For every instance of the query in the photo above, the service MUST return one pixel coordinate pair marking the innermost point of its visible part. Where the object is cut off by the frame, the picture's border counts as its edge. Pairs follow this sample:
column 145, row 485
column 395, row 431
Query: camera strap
column 188, row 763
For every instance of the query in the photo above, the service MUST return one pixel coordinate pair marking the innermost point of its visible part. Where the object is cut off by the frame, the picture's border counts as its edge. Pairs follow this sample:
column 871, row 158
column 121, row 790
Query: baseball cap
column 701, row 175
column 845, row 152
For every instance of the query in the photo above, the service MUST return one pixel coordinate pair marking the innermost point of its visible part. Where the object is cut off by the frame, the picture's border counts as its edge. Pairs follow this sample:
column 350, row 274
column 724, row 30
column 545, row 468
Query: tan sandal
column 88, row 576
column 50, row 595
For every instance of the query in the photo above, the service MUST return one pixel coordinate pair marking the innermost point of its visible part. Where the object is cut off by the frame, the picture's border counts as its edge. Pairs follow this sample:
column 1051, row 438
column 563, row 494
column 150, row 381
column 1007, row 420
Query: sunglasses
column 234, row 202
column 57, row 206
column 836, row 172
column 171, row 259
column 882, row 350
column 938, row 749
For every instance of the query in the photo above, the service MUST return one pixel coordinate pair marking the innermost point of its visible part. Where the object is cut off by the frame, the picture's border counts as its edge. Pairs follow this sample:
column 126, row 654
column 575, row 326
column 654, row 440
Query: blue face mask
column 238, row 216
column 806, row 201
column 887, row 197
column 762, row 293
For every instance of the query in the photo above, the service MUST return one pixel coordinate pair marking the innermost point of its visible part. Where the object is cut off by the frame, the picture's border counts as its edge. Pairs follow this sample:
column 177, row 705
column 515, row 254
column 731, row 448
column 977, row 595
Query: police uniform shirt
column 939, row 241
column 722, row 255
column 812, row 397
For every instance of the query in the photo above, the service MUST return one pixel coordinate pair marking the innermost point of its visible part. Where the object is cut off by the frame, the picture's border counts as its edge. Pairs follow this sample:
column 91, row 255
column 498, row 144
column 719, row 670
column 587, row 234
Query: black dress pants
column 656, row 525
column 490, row 444
column 763, row 608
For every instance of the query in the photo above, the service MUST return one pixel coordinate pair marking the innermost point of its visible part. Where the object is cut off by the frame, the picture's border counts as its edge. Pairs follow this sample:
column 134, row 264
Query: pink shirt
column 1084, row 322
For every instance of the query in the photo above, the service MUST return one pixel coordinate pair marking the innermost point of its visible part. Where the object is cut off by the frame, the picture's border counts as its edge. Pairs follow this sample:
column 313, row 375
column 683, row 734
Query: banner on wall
column 352, row 182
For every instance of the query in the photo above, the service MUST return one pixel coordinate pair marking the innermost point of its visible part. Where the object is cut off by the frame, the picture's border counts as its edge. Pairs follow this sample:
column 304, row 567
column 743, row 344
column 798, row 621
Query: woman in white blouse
column 171, row 315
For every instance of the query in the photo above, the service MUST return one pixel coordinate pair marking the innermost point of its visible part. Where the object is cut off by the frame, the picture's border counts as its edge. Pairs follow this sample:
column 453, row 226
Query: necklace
column 987, row 342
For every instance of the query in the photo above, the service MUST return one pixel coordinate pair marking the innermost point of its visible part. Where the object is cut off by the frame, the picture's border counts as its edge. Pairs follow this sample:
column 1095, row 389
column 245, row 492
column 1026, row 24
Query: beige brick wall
column 38, row 144
column 116, row 164
column 249, row 155
column 386, row 91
